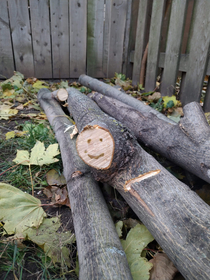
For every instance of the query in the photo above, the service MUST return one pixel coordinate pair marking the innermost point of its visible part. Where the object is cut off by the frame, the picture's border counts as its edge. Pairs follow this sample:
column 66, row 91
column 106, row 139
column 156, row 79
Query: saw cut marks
column 95, row 146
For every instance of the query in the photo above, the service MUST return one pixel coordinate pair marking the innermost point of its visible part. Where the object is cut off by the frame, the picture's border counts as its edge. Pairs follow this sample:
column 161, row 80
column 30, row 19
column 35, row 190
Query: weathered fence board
column 21, row 36
column 116, row 33
column 6, row 56
column 59, row 13
column 40, row 24
column 66, row 38
column 158, row 10
column 78, row 37
column 127, row 36
column 140, row 38
column 127, row 67
column 198, row 53
column 173, row 47
column 95, row 39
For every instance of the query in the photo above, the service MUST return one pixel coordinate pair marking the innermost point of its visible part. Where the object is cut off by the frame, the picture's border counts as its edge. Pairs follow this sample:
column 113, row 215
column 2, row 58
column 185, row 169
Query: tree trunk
column 177, row 217
column 110, row 91
column 100, row 252
column 186, row 144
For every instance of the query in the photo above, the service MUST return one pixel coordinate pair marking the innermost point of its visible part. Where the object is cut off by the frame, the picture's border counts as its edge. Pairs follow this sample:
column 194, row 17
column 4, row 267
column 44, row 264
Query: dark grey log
column 110, row 91
column 100, row 252
column 176, row 216
column 187, row 143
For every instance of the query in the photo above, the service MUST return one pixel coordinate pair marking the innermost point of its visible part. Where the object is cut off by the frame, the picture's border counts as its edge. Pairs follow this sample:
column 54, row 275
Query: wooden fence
column 65, row 38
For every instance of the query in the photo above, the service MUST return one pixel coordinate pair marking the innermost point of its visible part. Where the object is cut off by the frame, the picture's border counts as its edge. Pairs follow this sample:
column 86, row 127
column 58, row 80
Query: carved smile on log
column 95, row 146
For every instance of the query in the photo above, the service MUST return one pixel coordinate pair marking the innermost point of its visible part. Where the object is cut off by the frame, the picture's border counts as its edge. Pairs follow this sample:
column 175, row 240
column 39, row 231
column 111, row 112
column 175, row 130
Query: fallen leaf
column 163, row 268
column 6, row 112
column 130, row 223
column 31, row 80
column 169, row 100
column 51, row 241
column 39, row 84
column 119, row 226
column 15, row 80
column 136, row 240
column 204, row 193
column 14, row 133
column 208, row 117
column 20, row 107
column 19, row 210
column 10, row 134
column 39, row 156
column 54, row 178
column 58, row 196
column 154, row 97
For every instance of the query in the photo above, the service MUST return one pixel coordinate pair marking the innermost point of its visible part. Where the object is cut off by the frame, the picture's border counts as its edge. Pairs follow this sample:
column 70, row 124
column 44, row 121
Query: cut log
column 100, row 252
column 61, row 94
column 187, row 143
column 176, row 216
column 110, row 91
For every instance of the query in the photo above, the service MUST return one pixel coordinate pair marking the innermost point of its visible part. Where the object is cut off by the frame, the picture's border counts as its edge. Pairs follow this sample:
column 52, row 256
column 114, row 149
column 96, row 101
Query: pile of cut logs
column 110, row 125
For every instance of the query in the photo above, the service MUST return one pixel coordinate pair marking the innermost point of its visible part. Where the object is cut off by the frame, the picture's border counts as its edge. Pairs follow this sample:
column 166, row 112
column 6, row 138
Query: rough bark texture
column 100, row 252
column 187, row 144
column 176, row 216
column 84, row 111
column 108, row 90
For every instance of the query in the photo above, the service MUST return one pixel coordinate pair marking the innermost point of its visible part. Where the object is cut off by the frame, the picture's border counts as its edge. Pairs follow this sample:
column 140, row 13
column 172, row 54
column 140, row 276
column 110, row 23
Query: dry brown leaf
column 163, row 268
column 58, row 196
column 179, row 111
column 154, row 97
column 20, row 107
column 31, row 80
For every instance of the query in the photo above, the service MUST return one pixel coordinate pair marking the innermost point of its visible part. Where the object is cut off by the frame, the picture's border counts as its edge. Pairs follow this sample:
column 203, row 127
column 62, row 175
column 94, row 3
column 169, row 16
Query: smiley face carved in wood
column 95, row 146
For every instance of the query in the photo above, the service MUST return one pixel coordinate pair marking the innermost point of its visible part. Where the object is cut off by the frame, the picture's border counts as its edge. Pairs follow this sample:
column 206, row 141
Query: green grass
column 31, row 261
column 19, row 175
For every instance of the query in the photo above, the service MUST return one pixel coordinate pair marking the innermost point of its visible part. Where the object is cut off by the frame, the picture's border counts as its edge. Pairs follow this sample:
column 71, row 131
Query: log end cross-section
column 95, row 146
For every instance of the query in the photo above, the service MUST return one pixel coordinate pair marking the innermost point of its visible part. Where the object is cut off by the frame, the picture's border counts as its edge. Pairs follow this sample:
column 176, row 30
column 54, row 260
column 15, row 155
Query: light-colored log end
column 95, row 146
column 62, row 94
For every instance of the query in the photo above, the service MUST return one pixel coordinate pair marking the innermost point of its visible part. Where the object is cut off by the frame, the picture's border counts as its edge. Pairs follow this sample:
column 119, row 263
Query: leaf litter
column 18, row 101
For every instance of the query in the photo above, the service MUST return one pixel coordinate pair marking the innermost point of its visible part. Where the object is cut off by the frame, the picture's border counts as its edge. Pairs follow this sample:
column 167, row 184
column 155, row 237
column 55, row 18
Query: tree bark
column 100, row 252
column 176, row 216
column 186, row 143
column 110, row 91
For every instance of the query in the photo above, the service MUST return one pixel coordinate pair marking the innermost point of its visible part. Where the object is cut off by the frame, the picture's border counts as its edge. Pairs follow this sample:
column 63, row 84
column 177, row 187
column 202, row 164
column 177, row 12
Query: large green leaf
column 19, row 210
column 136, row 240
column 52, row 241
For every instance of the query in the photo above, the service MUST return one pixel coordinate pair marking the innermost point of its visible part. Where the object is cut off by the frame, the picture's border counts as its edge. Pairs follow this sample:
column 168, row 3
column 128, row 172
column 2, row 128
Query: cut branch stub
column 61, row 94
column 95, row 145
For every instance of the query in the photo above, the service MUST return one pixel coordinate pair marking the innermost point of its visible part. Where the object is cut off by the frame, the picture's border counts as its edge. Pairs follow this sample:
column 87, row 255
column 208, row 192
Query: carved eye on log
column 95, row 146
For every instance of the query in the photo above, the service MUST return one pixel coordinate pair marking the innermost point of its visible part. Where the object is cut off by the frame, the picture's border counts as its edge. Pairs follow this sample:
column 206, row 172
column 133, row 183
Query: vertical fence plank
column 21, row 36
column 117, row 32
column 198, row 53
column 40, row 25
column 189, row 12
column 127, row 36
column 95, row 22
column 154, row 44
column 107, row 26
column 78, row 37
column 132, row 35
column 140, row 37
column 59, row 11
column 173, row 47
column 6, row 55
